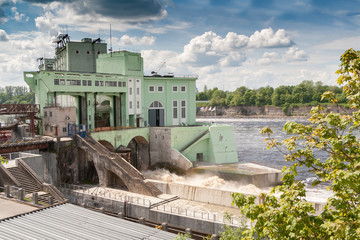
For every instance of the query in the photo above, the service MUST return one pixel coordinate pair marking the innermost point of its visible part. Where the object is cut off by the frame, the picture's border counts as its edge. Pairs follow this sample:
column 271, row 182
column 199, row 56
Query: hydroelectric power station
column 105, row 121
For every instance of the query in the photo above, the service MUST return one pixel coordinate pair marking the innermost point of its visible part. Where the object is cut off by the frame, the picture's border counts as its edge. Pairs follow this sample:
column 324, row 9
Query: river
column 251, row 148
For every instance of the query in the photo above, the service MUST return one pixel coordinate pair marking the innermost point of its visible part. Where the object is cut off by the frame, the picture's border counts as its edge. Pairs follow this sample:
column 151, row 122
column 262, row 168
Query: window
column 151, row 89
column 130, row 91
column 175, row 88
column 46, row 128
column 87, row 52
column 183, row 109
column 183, row 89
column 137, row 104
column 130, row 104
column 62, row 82
column 124, row 84
column 50, row 114
column 175, row 109
column 101, row 83
column 77, row 51
column 160, row 88
column 89, row 83
column 51, row 129
column 96, row 83
column 84, row 82
column 137, row 91
column 119, row 84
column 64, row 129
column 45, row 114
column 56, row 81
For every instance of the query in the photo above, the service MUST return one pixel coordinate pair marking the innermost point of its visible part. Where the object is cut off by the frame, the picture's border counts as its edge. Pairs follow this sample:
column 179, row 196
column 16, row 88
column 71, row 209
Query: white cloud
column 294, row 54
column 267, row 38
column 19, row 16
column 268, row 58
column 228, row 49
column 232, row 59
column 3, row 36
column 19, row 54
column 89, row 16
column 127, row 40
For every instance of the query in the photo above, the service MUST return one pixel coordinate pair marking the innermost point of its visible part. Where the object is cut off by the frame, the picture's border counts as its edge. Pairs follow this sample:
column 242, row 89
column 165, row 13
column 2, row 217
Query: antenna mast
column 110, row 42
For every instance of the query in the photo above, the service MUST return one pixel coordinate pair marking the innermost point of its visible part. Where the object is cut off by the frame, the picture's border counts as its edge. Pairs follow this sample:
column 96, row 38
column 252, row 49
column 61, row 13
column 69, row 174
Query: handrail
column 34, row 176
column 8, row 174
column 195, row 140
column 54, row 191
column 163, row 202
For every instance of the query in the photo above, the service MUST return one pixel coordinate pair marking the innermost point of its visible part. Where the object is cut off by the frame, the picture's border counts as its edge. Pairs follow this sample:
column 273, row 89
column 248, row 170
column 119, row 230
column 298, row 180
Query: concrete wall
column 134, row 210
column 162, row 153
column 35, row 162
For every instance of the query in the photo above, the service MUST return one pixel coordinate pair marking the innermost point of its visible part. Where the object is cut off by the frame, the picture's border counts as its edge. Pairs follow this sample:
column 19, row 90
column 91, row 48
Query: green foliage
column 16, row 95
column 306, row 93
column 181, row 236
column 3, row 160
column 288, row 215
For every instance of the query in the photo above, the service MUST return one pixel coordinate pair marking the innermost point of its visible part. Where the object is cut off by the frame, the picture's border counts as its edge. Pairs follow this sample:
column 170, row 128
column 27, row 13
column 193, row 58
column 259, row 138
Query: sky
column 226, row 43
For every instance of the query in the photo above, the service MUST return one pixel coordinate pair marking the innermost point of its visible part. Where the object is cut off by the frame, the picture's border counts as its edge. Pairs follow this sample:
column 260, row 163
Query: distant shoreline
column 251, row 116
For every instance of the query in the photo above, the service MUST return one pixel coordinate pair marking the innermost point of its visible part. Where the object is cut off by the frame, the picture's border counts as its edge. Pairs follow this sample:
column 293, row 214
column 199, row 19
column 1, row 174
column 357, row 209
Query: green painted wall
column 217, row 146
column 167, row 96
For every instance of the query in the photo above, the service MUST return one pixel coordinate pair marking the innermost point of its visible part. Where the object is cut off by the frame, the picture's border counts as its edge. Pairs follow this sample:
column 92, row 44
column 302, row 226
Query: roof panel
column 69, row 221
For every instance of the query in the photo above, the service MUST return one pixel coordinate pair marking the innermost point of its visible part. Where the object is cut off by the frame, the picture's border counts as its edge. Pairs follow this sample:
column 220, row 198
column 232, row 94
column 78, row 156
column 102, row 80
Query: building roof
column 69, row 221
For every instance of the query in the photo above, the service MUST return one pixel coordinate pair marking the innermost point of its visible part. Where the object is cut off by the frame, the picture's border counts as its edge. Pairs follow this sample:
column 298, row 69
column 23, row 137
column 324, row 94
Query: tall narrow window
column 175, row 109
column 183, row 109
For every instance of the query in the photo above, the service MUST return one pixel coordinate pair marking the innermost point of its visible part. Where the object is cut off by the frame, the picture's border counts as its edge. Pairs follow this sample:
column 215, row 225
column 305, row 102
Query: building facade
column 110, row 89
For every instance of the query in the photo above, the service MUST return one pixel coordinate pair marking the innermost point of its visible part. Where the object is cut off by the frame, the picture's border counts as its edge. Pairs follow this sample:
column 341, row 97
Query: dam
column 105, row 122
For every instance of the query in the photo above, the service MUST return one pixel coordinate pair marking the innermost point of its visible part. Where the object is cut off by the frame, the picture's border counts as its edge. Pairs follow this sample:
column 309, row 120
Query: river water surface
column 251, row 148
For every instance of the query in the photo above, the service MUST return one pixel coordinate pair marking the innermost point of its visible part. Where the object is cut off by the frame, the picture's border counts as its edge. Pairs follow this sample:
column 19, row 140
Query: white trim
column 150, row 87
column 182, row 87
column 161, row 87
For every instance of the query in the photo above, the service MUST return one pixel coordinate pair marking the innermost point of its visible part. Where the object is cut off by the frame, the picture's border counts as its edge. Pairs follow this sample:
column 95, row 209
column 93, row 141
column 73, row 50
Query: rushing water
column 251, row 148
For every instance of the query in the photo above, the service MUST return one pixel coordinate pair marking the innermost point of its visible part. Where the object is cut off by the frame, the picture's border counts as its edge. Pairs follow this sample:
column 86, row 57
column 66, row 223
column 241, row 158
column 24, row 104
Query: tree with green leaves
column 288, row 215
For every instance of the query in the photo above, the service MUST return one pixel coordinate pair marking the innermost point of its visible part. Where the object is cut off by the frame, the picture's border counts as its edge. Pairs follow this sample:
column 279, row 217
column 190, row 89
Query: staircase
column 30, row 186
column 106, row 161
column 26, row 182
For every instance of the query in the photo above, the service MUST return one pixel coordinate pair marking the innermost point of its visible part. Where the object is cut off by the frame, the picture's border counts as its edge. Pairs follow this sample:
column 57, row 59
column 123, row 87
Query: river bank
column 263, row 111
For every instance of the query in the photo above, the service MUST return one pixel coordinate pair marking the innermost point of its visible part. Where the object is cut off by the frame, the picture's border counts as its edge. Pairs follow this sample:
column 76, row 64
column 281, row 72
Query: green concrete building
column 110, row 91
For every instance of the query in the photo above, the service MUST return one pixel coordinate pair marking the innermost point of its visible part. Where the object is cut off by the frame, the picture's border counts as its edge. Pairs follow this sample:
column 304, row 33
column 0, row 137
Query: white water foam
column 204, row 180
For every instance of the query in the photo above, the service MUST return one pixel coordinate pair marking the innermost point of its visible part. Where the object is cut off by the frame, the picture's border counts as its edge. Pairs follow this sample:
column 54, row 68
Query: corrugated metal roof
column 69, row 221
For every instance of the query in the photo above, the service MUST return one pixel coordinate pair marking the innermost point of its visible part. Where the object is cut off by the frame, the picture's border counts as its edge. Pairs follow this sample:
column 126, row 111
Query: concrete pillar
column 21, row 194
column 7, row 191
column 142, row 220
column 164, row 226
column 50, row 200
column 35, row 198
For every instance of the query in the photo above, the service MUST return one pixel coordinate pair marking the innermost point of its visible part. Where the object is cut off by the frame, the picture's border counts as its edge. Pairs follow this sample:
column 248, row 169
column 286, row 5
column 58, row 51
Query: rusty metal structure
column 26, row 110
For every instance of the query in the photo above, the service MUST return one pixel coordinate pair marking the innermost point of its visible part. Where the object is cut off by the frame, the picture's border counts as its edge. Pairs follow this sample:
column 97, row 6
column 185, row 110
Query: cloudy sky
column 227, row 43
